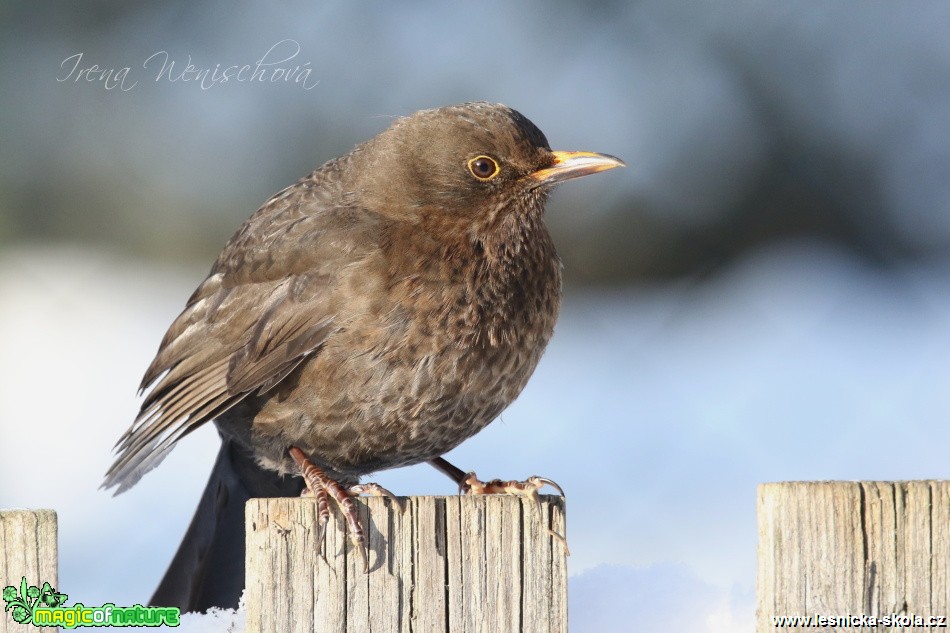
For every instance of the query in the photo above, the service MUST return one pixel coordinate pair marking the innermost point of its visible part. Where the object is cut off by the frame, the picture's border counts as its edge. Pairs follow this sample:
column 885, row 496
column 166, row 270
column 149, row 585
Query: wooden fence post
column 440, row 565
column 854, row 549
column 27, row 548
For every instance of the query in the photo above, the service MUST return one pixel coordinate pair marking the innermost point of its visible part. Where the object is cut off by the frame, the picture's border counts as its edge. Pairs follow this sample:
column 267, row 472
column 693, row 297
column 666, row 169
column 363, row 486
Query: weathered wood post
column 854, row 550
column 440, row 565
column 27, row 548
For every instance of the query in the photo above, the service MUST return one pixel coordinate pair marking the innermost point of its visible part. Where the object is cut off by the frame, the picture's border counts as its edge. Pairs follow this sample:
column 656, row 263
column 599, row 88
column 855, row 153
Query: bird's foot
column 529, row 488
column 470, row 484
column 375, row 490
column 323, row 487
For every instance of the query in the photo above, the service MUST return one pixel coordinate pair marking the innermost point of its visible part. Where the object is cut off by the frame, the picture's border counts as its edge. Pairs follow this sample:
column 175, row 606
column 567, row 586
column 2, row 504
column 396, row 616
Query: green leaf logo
column 20, row 603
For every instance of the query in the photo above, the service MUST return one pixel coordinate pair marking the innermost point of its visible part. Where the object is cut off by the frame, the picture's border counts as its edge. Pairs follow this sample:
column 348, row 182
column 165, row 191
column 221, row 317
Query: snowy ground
column 668, row 403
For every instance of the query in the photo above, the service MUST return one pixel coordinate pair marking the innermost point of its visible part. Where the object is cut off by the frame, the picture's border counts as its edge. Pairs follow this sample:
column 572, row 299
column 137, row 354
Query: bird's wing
column 265, row 308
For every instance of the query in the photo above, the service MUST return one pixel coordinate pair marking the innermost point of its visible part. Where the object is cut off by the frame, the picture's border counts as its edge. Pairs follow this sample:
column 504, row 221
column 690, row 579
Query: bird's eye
column 483, row 167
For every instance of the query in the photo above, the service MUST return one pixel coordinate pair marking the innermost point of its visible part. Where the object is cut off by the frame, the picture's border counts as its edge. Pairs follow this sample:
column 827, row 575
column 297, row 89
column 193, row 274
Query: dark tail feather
column 208, row 569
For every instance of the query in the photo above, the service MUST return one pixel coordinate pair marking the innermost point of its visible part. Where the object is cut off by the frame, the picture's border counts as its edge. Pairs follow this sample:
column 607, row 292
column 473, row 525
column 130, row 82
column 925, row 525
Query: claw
column 560, row 538
column 357, row 537
column 544, row 481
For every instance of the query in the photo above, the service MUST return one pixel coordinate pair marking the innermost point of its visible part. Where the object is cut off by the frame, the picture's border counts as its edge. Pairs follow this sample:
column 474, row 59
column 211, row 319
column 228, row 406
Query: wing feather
column 264, row 309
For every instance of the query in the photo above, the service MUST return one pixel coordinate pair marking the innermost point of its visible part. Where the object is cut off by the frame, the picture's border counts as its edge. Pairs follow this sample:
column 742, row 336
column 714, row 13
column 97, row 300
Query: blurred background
column 763, row 294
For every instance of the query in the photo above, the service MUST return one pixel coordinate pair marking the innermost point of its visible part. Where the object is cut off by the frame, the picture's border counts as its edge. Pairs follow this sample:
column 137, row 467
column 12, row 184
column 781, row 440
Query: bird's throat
column 513, row 282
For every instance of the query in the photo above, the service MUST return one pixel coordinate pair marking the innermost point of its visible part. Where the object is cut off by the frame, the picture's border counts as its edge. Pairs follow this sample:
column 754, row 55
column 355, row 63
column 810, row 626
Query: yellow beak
column 569, row 165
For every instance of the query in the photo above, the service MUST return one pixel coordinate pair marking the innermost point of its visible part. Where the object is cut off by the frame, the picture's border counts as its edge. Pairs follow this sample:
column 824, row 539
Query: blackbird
column 375, row 314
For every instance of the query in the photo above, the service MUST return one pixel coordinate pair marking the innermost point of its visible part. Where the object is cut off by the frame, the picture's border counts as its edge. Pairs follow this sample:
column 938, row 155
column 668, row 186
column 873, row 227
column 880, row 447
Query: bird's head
column 466, row 164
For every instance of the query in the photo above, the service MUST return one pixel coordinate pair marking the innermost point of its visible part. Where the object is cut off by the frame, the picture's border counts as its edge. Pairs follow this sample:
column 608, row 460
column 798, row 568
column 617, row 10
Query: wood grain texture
column 440, row 564
column 853, row 548
column 27, row 548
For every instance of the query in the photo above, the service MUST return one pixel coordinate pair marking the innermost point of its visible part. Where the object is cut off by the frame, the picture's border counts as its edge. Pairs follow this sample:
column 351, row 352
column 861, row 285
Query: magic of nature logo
column 44, row 606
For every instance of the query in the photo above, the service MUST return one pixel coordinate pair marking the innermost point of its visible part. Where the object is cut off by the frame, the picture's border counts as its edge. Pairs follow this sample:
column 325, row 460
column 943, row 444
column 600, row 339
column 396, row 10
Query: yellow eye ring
column 484, row 167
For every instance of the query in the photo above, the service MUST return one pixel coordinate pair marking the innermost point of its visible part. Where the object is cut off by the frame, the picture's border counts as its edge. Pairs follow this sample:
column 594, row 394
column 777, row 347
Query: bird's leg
column 323, row 486
column 470, row 484
column 449, row 469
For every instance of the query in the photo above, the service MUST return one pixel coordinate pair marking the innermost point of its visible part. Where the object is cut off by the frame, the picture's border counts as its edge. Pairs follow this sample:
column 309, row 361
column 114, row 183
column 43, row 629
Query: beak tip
column 609, row 161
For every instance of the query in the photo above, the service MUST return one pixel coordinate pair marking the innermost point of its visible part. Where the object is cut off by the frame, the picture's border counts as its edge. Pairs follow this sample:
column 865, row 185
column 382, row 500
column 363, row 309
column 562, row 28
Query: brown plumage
column 375, row 314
